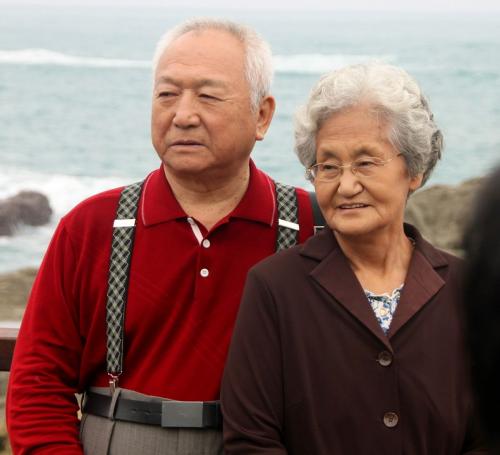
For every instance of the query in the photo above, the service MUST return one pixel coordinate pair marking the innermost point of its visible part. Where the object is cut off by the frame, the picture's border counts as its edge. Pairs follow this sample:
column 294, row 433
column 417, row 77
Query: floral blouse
column 384, row 306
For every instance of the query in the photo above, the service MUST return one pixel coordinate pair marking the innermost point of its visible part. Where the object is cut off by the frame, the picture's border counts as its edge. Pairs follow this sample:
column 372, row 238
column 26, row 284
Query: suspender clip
column 318, row 228
column 113, row 381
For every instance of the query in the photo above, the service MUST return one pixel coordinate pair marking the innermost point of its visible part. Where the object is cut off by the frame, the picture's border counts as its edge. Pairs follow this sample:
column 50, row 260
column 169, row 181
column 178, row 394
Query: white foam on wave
column 298, row 64
column 321, row 63
column 27, row 246
column 63, row 191
column 48, row 57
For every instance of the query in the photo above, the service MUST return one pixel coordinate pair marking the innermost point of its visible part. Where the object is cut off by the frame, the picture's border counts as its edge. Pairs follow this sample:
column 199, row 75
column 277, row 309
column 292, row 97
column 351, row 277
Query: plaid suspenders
column 119, row 267
column 121, row 254
column 288, row 218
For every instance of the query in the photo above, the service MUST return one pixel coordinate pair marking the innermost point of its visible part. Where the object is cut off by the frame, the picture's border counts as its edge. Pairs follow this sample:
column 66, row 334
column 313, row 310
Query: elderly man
column 136, row 298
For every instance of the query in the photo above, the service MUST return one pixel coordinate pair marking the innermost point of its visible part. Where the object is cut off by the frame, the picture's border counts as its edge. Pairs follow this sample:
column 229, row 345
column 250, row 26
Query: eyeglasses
column 362, row 167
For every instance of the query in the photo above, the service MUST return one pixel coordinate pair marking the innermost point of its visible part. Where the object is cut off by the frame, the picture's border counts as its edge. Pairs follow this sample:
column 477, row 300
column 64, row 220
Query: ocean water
column 75, row 93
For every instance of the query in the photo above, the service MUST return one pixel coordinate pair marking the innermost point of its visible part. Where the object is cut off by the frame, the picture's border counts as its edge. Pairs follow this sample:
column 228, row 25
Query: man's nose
column 186, row 113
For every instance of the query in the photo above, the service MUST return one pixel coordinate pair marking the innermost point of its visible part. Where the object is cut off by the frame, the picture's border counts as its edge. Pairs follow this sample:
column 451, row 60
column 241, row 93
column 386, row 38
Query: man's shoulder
column 96, row 206
column 95, row 212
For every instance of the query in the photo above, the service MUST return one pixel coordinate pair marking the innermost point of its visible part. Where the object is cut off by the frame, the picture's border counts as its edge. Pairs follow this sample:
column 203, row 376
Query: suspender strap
column 119, row 267
column 121, row 254
column 319, row 220
column 288, row 219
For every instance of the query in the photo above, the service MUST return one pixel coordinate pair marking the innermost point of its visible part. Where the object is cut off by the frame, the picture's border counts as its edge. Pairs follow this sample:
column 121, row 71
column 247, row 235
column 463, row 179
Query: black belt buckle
column 182, row 414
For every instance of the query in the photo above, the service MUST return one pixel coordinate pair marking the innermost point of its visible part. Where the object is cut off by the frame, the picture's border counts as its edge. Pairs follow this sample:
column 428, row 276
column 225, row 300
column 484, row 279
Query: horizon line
column 290, row 8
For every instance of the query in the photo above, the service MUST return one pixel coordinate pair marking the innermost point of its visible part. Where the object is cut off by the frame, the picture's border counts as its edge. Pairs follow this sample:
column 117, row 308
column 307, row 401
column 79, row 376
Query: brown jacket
column 310, row 371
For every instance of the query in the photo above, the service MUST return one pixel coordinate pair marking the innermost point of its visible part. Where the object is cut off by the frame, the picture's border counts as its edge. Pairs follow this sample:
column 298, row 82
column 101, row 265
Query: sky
column 340, row 5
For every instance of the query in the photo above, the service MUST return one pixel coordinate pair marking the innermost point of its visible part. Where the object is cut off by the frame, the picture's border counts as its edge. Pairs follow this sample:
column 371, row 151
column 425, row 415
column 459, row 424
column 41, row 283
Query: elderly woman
column 352, row 343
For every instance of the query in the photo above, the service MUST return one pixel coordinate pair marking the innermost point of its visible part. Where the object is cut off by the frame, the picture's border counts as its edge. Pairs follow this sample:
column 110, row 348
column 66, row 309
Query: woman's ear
column 416, row 182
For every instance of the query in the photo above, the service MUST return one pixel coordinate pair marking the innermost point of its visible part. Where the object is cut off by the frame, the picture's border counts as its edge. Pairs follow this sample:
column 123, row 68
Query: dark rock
column 26, row 207
column 441, row 213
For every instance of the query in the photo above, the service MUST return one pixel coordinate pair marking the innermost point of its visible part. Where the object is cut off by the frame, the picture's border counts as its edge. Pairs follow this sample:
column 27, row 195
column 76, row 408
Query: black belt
column 165, row 413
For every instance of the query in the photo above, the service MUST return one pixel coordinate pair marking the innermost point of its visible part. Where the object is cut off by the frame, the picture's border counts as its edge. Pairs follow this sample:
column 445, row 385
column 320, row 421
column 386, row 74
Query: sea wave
column 322, row 63
column 63, row 191
column 49, row 57
column 291, row 64
column 26, row 247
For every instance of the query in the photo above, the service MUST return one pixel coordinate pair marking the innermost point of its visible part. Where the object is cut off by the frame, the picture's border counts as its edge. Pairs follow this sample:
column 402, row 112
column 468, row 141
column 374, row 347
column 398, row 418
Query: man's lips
column 185, row 142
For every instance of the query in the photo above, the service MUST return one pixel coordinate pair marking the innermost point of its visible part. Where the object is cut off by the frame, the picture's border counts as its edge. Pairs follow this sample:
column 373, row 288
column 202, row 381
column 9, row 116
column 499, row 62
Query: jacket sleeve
column 252, row 388
column 41, row 407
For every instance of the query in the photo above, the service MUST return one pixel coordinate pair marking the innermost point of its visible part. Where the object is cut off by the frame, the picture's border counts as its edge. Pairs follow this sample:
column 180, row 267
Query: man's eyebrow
column 198, row 84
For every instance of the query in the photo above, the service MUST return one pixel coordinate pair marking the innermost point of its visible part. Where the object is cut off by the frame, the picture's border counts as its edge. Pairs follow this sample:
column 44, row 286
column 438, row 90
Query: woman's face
column 355, row 205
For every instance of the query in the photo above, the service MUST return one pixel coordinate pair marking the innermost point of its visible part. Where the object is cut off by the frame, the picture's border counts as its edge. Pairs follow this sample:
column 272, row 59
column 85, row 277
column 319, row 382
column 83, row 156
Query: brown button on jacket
column 304, row 374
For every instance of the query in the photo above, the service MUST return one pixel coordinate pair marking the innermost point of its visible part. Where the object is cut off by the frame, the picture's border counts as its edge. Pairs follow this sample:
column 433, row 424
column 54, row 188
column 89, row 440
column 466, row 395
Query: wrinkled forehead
column 211, row 47
column 368, row 108
column 356, row 121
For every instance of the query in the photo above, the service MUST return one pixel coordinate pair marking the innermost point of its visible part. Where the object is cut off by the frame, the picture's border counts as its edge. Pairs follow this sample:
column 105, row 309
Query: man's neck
column 208, row 200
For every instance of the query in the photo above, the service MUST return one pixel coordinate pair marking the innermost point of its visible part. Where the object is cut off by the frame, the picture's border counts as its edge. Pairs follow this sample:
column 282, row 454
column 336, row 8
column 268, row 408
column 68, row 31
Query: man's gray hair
column 258, row 61
column 388, row 91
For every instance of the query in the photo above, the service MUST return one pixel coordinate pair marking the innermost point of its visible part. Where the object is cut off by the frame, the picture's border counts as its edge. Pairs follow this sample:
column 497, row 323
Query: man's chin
column 188, row 168
column 186, row 163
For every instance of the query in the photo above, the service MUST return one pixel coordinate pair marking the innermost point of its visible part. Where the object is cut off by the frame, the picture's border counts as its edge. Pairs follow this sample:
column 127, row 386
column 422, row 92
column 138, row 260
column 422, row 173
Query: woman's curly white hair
column 387, row 90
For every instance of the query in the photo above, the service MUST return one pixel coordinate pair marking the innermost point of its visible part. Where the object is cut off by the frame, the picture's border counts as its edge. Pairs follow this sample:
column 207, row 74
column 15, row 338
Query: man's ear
column 265, row 115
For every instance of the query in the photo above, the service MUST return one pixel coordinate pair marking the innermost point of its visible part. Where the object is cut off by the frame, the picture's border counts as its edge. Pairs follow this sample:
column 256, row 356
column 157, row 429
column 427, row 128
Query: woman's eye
column 365, row 163
column 329, row 167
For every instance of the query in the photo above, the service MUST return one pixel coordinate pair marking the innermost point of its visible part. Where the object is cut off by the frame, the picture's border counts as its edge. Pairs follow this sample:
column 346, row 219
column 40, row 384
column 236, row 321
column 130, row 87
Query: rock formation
column 441, row 213
column 26, row 207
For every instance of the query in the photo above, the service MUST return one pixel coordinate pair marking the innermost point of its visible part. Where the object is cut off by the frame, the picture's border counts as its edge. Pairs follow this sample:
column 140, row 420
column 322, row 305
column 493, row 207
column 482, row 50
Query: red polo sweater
column 183, row 297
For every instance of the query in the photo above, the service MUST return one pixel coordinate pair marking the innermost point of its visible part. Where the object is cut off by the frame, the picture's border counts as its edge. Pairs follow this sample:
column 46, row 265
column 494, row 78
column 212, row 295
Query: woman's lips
column 352, row 206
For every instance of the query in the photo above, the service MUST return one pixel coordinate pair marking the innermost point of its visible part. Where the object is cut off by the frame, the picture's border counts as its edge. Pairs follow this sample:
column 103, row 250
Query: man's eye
column 208, row 96
column 166, row 94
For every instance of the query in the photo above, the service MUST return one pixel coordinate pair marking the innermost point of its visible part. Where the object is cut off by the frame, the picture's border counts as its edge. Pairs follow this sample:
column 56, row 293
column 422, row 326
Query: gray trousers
column 102, row 436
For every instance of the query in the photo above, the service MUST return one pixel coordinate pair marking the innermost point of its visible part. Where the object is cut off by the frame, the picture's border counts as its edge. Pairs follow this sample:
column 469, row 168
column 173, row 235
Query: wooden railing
column 7, row 342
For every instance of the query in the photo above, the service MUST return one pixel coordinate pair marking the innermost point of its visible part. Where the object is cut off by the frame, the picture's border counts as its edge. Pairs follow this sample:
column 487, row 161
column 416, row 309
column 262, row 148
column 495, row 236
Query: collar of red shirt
column 158, row 203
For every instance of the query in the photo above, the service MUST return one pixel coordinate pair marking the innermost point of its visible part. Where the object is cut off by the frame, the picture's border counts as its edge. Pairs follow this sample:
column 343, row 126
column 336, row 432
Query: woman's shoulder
column 435, row 255
column 298, row 260
column 284, row 259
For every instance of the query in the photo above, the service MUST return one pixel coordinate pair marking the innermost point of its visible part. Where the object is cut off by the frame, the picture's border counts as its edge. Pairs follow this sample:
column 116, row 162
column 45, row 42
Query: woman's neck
column 380, row 261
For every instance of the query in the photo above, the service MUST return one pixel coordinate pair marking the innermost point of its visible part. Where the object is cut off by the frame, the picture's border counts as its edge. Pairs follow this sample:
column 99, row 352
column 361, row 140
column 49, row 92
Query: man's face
column 202, row 122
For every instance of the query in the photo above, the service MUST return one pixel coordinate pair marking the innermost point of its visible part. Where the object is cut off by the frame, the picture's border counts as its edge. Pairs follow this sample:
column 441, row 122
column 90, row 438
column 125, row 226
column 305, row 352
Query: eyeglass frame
column 351, row 165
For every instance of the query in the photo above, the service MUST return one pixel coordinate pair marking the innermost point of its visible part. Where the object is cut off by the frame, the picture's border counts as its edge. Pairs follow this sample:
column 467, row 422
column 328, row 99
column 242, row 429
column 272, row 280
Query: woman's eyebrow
column 328, row 154
column 367, row 149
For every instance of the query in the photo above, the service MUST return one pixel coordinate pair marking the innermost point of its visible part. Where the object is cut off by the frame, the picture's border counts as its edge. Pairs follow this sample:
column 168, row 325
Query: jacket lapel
column 422, row 281
column 334, row 274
